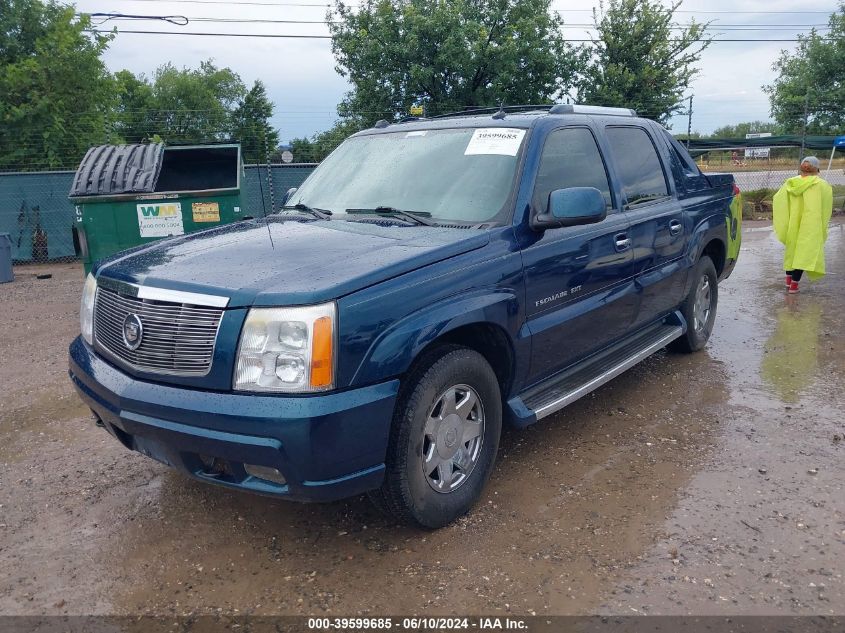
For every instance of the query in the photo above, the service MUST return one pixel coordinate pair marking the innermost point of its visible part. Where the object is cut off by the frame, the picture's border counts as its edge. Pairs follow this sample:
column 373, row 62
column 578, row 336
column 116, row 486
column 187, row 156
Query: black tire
column 406, row 493
column 695, row 337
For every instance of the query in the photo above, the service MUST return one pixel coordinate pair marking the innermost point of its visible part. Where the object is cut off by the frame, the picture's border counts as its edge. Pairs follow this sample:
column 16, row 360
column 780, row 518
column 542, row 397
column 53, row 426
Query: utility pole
column 804, row 125
column 689, row 121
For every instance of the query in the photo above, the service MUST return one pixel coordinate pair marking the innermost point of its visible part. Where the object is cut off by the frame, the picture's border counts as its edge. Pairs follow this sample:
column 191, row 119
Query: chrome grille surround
column 178, row 338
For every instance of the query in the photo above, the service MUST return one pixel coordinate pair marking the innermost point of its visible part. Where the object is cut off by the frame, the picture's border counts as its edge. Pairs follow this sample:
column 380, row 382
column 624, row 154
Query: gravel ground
column 703, row 484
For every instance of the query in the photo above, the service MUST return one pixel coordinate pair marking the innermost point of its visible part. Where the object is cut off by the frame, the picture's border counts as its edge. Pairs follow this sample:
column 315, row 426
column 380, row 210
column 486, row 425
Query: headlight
column 86, row 310
column 287, row 350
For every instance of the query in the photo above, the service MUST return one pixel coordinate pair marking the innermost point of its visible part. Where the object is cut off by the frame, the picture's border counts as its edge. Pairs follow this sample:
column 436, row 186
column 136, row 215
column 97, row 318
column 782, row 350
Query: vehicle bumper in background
column 326, row 447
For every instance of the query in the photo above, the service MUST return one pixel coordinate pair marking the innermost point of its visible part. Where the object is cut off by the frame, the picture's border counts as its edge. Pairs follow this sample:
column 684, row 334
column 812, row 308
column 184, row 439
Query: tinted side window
column 637, row 163
column 570, row 158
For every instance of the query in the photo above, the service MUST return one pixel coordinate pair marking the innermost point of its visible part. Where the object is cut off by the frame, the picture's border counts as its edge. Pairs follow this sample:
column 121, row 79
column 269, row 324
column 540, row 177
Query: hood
column 309, row 261
column 797, row 185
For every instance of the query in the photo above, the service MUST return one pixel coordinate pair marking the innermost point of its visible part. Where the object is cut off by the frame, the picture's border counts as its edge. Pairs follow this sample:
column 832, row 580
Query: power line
column 329, row 5
column 715, row 27
column 328, row 37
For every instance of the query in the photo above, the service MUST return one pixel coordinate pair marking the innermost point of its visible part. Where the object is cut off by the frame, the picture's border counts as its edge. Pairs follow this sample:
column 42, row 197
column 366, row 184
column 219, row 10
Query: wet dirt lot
column 704, row 484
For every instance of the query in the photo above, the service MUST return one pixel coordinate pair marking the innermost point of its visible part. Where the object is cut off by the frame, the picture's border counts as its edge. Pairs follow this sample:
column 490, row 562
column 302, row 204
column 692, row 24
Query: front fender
column 392, row 353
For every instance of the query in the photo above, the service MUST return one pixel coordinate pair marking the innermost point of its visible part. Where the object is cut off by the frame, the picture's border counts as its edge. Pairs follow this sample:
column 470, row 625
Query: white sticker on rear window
column 495, row 140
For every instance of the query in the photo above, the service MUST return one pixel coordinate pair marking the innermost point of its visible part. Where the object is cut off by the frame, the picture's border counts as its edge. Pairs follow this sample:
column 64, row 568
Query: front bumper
column 326, row 447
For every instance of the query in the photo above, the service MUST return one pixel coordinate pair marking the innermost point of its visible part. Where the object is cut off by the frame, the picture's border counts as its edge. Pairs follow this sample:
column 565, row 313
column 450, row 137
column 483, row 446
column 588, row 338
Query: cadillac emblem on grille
column 133, row 331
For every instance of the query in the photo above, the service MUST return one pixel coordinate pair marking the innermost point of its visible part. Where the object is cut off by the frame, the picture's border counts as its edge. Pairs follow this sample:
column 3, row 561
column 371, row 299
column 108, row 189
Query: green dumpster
column 127, row 195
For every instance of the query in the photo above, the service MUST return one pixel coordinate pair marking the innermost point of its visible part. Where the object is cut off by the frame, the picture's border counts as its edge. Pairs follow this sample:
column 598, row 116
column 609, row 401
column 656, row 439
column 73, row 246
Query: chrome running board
column 565, row 388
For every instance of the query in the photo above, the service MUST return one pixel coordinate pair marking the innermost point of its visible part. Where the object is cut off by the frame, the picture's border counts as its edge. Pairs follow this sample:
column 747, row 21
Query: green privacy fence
column 36, row 212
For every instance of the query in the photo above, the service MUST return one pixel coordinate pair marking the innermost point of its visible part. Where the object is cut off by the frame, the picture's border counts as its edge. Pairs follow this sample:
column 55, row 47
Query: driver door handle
column 623, row 242
column 675, row 227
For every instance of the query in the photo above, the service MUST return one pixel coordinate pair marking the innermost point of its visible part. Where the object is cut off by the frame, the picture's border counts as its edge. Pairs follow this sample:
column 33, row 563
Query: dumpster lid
column 113, row 169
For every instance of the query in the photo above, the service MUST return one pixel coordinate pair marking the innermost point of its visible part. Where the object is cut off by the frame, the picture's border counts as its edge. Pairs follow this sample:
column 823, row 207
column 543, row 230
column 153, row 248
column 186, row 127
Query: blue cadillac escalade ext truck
column 430, row 281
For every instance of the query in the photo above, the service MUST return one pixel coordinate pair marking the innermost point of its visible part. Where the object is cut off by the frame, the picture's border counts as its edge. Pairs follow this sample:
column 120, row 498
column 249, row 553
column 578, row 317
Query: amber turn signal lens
column 322, row 362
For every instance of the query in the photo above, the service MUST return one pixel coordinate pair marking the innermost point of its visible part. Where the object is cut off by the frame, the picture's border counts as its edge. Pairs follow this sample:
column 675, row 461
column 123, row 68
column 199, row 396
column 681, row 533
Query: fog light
column 266, row 473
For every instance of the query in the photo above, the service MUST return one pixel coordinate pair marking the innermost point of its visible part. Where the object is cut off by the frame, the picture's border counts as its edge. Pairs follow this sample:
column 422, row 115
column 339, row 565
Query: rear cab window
column 570, row 158
column 688, row 176
column 638, row 166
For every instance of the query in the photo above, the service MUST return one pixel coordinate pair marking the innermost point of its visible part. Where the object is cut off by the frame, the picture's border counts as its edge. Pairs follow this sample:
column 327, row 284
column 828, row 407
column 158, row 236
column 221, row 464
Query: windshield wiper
column 420, row 217
column 321, row 214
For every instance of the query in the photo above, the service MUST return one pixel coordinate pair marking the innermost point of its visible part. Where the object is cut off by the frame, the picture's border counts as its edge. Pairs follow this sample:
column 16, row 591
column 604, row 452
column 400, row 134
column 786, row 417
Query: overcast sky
column 301, row 80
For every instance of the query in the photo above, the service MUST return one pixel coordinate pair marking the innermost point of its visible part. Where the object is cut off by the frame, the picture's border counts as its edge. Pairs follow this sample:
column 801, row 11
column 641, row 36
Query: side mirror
column 572, row 207
column 288, row 195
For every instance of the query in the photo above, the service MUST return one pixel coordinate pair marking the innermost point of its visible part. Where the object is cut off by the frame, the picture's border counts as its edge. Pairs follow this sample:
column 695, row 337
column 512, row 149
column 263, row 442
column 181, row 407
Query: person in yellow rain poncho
column 802, row 210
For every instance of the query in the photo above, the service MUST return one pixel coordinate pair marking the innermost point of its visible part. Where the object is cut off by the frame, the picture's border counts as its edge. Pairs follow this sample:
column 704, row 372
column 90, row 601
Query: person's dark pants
column 795, row 274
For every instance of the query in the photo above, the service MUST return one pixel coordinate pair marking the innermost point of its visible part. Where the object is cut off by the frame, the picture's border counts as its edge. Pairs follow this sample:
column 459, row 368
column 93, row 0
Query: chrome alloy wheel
column 702, row 306
column 454, row 431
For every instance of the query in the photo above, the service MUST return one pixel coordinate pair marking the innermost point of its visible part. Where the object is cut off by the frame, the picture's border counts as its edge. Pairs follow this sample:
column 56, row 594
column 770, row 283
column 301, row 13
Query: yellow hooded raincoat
column 802, row 210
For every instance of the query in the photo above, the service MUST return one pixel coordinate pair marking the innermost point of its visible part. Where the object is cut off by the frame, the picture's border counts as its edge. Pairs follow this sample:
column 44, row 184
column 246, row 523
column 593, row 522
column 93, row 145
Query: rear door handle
column 623, row 242
column 675, row 227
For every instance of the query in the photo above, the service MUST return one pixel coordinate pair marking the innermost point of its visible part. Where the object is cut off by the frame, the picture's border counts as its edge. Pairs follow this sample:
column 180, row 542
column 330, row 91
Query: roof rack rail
column 572, row 108
column 556, row 108
column 492, row 110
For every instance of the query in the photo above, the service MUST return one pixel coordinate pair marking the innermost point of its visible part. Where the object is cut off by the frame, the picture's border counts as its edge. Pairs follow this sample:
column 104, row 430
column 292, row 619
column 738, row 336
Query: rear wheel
column 699, row 308
column 444, row 439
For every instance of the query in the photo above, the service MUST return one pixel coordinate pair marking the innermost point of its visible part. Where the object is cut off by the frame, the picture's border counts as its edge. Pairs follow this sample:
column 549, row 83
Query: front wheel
column 444, row 439
column 699, row 308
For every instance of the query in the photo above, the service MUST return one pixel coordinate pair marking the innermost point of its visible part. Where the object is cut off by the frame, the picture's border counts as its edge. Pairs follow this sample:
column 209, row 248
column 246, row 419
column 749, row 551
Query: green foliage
column 195, row 105
column 447, row 55
column 250, row 125
column 199, row 105
column 134, row 112
column 757, row 202
column 320, row 145
column 56, row 96
column 812, row 77
column 638, row 61
column 739, row 130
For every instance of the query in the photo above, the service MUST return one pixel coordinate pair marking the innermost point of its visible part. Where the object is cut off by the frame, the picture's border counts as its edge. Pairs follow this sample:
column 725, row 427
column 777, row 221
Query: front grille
column 177, row 338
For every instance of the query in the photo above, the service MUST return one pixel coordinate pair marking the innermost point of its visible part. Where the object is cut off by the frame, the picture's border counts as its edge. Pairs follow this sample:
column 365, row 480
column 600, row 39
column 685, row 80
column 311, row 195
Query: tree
column 251, row 125
column 320, row 145
column 135, row 110
column 194, row 105
column 810, row 80
column 447, row 56
column 639, row 60
column 56, row 96
column 741, row 129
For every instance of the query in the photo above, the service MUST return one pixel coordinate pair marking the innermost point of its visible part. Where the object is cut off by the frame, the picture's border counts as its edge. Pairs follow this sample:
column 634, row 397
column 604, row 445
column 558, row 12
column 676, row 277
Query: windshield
column 457, row 175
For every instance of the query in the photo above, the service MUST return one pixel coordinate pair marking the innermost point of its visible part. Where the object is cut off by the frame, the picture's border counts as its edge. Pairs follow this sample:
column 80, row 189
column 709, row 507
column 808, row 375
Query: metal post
column 689, row 121
column 804, row 126
column 830, row 162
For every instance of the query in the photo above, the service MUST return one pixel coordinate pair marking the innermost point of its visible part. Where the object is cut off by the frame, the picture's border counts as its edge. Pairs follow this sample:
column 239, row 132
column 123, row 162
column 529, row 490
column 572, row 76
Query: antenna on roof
column 261, row 189
column 501, row 114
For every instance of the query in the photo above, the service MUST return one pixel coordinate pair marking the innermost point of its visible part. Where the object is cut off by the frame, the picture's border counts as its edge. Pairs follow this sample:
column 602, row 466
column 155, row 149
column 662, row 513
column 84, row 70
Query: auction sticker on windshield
column 495, row 140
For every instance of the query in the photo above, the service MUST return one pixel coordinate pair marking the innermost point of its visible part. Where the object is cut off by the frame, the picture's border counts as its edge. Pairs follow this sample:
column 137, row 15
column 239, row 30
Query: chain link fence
column 759, row 177
column 36, row 213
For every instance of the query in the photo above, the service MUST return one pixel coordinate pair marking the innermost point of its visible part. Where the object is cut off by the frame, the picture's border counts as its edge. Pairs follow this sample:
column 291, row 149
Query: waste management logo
column 160, row 219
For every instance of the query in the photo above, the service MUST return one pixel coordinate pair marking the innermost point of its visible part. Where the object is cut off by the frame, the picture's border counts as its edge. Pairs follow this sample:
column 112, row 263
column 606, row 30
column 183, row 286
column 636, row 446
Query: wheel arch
column 486, row 322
